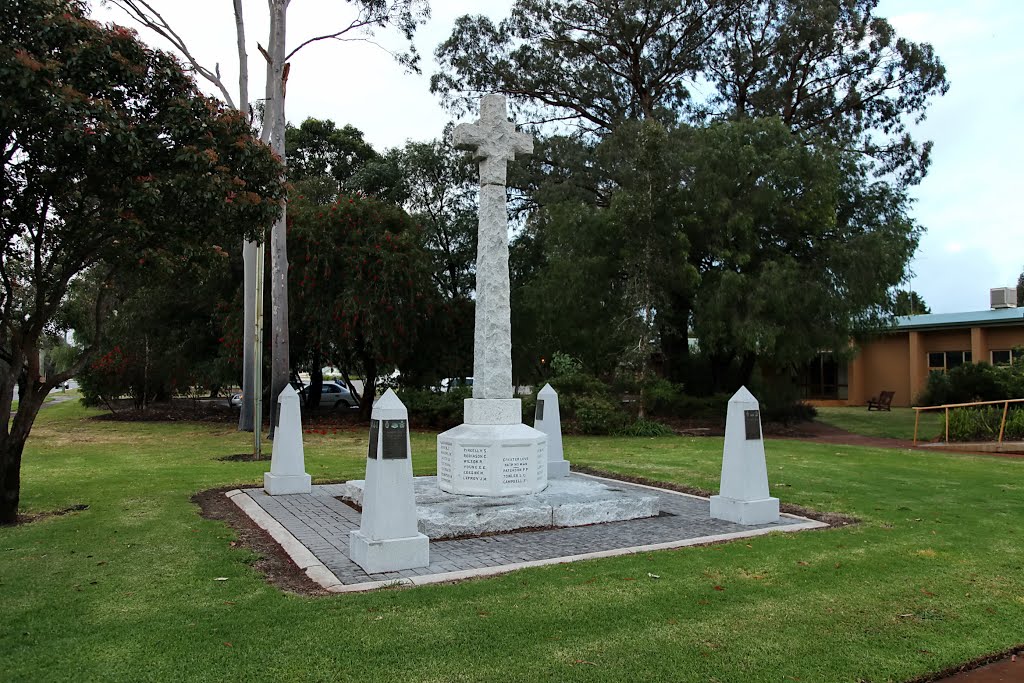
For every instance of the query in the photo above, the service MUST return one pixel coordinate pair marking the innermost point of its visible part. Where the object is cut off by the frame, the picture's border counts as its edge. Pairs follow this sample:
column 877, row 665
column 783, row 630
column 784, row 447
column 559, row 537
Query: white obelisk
column 743, row 495
column 548, row 419
column 388, row 539
column 287, row 473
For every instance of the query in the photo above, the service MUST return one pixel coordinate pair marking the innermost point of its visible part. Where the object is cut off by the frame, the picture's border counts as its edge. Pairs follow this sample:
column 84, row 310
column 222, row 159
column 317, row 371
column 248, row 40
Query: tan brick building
column 900, row 360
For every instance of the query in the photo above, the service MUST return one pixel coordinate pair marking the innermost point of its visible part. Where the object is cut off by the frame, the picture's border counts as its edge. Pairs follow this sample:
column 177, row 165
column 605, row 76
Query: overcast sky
column 970, row 202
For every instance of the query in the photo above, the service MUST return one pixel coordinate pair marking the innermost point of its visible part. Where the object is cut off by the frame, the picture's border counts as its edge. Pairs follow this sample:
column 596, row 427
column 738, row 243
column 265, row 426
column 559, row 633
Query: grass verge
column 895, row 424
column 140, row 587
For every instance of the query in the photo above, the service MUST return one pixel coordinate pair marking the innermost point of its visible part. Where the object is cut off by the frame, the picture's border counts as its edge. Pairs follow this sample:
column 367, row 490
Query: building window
column 1007, row 357
column 947, row 360
column 824, row 378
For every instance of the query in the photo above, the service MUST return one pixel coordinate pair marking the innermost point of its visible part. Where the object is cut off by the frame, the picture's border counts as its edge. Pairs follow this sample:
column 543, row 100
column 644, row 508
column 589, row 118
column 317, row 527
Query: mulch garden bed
column 179, row 410
column 1001, row 667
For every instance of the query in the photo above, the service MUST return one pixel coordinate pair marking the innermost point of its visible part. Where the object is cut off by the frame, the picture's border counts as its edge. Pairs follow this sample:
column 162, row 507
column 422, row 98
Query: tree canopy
column 361, row 285
column 110, row 152
column 734, row 171
column 909, row 302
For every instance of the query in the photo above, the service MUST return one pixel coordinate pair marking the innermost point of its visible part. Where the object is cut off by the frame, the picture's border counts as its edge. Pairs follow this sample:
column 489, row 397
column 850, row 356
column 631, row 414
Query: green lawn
column 895, row 424
column 125, row 590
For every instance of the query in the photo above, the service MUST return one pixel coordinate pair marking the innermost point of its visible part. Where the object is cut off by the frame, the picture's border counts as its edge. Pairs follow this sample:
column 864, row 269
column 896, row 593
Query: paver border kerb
column 319, row 573
column 302, row 556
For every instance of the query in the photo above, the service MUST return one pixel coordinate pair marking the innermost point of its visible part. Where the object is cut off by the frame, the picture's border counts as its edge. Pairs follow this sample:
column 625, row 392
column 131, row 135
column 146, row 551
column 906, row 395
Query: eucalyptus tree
column 369, row 16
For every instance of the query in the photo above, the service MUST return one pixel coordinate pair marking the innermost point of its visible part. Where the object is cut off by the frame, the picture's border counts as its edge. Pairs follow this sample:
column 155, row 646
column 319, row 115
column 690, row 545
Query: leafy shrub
column 1014, row 425
column 974, row 382
column 587, row 404
column 437, row 410
column 982, row 424
column 780, row 402
column 529, row 404
column 596, row 415
column 646, row 428
column 564, row 365
column 665, row 399
column 974, row 424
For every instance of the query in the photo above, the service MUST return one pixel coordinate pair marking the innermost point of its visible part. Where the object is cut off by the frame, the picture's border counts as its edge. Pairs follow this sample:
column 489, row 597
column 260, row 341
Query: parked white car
column 332, row 395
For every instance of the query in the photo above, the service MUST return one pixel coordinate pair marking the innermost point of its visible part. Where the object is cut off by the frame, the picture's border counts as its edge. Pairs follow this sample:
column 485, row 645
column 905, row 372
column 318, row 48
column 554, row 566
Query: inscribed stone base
column 492, row 460
column 566, row 502
column 286, row 484
column 558, row 468
column 388, row 555
column 747, row 512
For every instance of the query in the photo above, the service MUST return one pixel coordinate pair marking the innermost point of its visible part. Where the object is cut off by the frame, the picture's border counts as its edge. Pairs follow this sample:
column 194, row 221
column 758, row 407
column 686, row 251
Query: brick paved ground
column 322, row 524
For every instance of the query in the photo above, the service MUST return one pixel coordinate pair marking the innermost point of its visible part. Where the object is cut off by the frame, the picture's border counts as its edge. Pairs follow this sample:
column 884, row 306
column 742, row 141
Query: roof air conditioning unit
column 1004, row 297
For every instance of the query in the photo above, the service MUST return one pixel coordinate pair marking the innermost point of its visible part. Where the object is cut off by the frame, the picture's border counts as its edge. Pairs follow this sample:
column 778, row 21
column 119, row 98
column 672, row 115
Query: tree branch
column 355, row 24
column 144, row 13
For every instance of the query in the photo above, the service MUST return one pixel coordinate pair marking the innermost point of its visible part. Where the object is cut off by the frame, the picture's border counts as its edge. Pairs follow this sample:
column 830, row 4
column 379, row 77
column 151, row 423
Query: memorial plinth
column 743, row 496
column 548, row 419
column 287, row 475
column 492, row 460
column 493, row 453
column 387, row 539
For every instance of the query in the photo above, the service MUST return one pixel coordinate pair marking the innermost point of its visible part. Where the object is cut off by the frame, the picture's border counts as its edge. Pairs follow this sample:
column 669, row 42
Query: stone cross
column 494, row 142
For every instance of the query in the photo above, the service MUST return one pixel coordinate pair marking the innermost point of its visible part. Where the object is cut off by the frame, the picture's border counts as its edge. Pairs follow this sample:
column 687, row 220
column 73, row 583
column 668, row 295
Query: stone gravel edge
column 300, row 554
column 315, row 570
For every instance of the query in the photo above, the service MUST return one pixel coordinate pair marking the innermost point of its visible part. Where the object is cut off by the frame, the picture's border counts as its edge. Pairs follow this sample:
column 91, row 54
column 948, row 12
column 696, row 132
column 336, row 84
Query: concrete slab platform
column 566, row 502
column 314, row 530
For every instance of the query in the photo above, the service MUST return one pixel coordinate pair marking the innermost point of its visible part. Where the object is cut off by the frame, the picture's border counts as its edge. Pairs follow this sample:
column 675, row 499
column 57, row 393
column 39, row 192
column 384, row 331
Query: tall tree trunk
column 675, row 342
column 246, row 419
column 747, row 364
column 10, row 478
column 279, row 368
column 316, row 382
column 369, row 390
column 13, row 434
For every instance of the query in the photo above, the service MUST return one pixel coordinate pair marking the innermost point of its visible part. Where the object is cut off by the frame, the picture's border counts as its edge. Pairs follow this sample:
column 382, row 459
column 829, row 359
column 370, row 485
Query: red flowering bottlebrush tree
column 109, row 152
column 171, row 337
column 361, row 285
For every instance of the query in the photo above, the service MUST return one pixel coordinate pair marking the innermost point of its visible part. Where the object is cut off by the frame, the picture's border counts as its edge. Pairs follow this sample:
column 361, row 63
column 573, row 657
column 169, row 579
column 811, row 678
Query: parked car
column 449, row 383
column 332, row 395
column 235, row 401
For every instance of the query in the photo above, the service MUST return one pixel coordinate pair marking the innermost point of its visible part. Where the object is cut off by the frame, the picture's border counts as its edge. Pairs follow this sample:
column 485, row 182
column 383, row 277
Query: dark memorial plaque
column 752, row 421
column 371, row 453
column 540, row 409
column 395, row 444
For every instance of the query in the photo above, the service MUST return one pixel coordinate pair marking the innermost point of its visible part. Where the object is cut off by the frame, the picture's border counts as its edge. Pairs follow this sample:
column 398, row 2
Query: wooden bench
column 881, row 402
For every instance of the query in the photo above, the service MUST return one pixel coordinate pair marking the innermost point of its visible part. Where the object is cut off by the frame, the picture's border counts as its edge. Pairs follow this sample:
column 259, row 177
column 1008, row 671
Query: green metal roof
column 1002, row 316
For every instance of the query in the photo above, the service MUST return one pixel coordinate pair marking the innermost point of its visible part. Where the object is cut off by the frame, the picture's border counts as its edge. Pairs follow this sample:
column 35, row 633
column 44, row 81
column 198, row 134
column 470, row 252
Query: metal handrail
column 946, row 406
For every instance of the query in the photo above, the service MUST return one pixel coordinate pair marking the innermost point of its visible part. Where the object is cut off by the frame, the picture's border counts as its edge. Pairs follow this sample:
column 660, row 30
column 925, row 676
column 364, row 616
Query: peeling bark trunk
column 246, row 419
column 280, row 361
